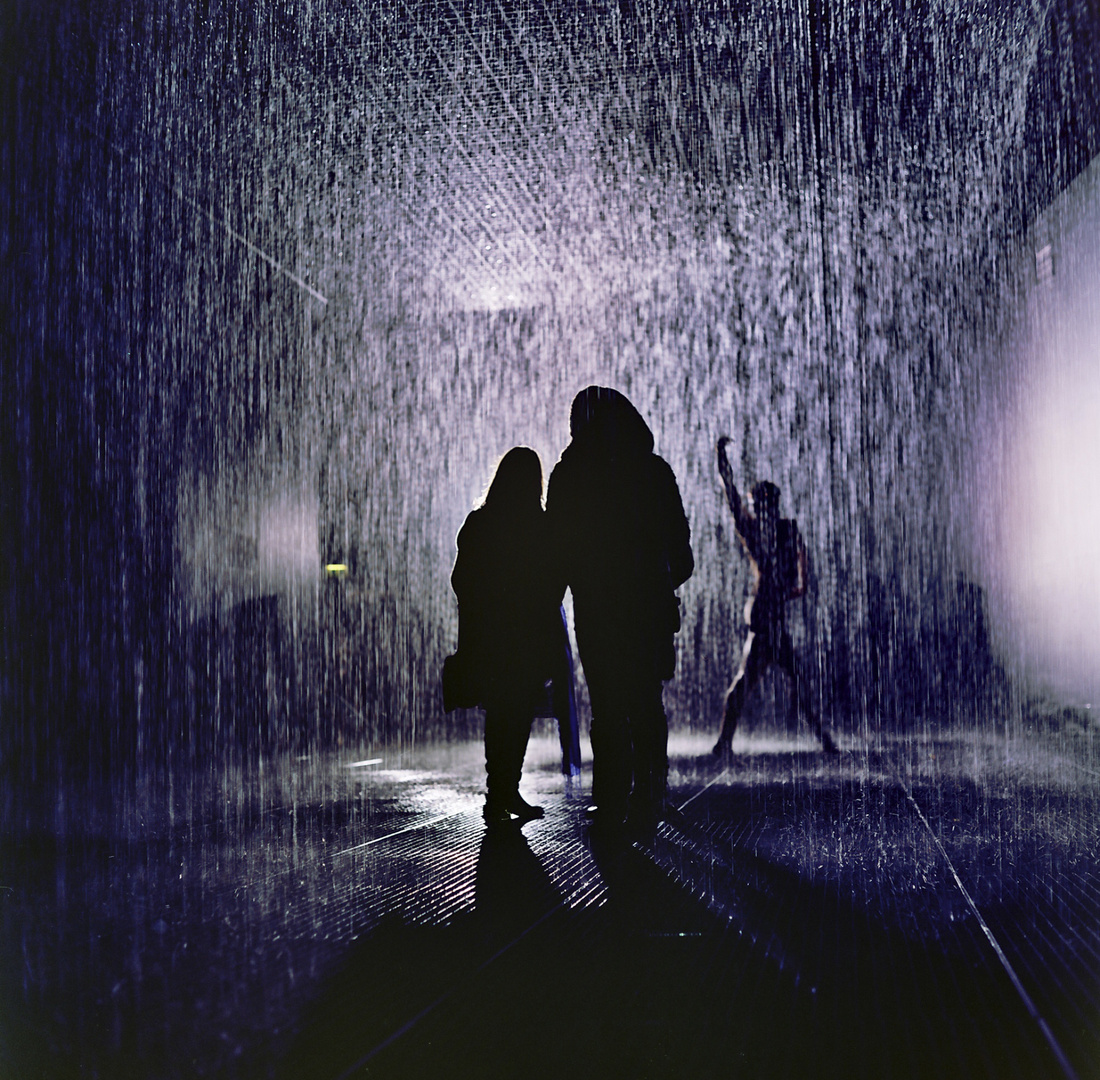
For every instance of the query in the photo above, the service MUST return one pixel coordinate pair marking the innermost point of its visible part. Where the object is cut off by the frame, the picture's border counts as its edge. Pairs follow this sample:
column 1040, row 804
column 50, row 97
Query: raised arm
column 732, row 495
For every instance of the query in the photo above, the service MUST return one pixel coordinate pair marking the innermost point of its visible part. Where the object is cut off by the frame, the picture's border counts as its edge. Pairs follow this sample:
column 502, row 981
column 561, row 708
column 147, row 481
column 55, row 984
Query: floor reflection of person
column 622, row 536
column 778, row 557
column 511, row 635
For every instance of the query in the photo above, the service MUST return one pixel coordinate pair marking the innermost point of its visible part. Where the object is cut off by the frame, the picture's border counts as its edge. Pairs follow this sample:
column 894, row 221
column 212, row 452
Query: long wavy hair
column 516, row 487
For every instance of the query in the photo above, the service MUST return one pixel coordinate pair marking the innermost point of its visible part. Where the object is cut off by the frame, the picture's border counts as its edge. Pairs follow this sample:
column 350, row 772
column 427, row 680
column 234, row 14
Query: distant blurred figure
column 512, row 639
column 561, row 704
column 620, row 531
column 778, row 557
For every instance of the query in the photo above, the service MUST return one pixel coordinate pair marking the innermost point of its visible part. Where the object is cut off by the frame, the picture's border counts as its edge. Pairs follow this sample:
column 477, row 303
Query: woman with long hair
column 511, row 636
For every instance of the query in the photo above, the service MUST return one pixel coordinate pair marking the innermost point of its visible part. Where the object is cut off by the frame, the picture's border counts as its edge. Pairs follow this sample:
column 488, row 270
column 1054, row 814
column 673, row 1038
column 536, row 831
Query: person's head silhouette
column 517, row 484
column 765, row 501
column 603, row 417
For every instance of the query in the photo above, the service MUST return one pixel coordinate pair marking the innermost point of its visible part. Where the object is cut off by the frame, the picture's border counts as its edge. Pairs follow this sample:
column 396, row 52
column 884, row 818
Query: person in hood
column 623, row 544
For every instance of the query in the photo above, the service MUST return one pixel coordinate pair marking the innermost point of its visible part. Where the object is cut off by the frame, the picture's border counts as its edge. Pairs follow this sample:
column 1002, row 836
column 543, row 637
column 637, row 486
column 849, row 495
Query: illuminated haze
column 288, row 281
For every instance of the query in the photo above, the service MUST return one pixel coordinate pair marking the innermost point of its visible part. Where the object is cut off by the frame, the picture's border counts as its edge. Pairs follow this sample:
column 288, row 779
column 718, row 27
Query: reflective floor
column 918, row 908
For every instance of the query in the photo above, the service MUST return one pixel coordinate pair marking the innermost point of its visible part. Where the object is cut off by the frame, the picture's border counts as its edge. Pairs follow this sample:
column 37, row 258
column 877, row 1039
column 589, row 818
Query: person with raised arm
column 777, row 556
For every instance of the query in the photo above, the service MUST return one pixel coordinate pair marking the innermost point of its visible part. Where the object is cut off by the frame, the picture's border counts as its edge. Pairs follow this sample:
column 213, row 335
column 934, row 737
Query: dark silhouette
column 512, row 889
column 623, row 540
column 778, row 556
column 562, row 704
column 511, row 636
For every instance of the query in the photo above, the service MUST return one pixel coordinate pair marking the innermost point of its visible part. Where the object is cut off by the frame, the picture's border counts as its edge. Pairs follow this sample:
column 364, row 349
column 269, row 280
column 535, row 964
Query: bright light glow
column 1053, row 517
column 337, row 569
column 364, row 764
column 240, row 537
column 494, row 298
column 288, row 536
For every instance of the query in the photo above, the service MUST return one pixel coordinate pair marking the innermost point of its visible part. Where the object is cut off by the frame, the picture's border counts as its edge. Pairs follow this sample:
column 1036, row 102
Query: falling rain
column 284, row 282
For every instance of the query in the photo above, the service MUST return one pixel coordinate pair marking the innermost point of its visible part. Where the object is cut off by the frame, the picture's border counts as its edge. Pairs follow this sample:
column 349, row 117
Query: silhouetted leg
column 565, row 708
column 507, row 729
column 649, row 728
column 735, row 702
column 612, row 748
column 800, row 696
column 753, row 661
column 611, row 764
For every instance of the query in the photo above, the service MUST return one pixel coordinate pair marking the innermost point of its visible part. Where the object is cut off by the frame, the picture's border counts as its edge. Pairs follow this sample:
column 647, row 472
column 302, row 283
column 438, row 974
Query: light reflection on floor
column 214, row 925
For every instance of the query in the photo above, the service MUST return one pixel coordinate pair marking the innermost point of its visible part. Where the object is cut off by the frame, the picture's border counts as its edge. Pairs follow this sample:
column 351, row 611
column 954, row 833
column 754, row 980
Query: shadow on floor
column 704, row 959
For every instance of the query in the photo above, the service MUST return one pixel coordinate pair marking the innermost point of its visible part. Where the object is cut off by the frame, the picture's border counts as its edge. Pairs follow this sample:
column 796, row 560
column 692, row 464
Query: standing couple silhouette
column 615, row 533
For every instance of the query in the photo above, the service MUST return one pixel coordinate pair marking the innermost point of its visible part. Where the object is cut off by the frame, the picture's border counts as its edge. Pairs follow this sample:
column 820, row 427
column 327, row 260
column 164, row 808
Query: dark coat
column 622, row 536
column 510, row 633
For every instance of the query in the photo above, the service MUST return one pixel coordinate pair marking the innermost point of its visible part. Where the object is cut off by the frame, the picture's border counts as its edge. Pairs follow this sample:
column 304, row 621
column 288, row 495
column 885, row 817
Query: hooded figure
column 623, row 545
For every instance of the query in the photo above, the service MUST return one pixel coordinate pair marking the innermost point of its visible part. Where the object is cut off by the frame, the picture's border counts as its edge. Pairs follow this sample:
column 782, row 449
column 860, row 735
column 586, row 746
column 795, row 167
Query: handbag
column 460, row 689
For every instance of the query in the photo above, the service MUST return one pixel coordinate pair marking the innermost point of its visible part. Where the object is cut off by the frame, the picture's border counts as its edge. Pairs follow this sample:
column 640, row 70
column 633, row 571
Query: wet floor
column 918, row 909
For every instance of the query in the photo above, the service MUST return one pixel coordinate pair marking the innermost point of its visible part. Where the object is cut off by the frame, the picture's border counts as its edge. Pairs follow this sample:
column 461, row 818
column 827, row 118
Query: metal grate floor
column 912, row 909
